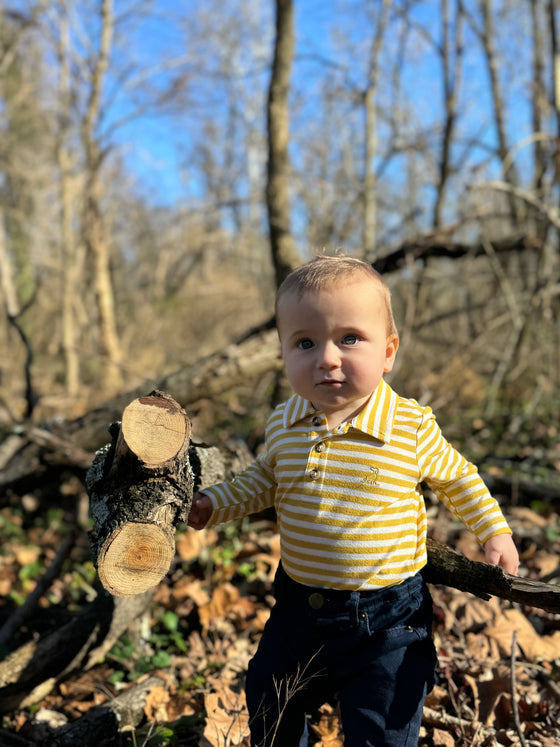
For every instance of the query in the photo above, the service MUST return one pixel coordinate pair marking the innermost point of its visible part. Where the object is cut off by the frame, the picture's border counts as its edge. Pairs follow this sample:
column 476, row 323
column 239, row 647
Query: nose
column 328, row 356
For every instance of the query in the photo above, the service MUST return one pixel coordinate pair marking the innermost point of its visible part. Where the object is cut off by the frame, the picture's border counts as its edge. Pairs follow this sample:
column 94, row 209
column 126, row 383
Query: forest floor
column 499, row 664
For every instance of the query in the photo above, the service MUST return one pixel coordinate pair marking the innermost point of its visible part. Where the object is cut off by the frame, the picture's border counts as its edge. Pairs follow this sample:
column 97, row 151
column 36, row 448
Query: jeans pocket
column 401, row 635
column 404, row 610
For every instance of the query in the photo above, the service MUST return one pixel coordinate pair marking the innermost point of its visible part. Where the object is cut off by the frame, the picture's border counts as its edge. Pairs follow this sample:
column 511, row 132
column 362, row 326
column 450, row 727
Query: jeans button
column 316, row 600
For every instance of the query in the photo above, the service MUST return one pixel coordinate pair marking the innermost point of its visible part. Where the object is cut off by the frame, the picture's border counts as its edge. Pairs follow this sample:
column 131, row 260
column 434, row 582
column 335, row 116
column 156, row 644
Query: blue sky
column 154, row 148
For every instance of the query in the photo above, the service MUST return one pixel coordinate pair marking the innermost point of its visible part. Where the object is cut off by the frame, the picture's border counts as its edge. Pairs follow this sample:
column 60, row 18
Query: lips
column 330, row 383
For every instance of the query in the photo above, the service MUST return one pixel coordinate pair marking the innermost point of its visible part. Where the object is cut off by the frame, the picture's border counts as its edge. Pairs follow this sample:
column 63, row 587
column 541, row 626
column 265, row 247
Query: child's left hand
column 500, row 550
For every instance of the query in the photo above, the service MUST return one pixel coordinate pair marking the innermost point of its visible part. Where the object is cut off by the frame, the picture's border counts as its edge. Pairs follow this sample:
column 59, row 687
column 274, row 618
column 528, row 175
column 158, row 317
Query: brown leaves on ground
column 499, row 665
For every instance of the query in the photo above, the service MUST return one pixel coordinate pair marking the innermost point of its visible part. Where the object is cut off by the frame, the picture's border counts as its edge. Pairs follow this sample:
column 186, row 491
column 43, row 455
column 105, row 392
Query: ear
column 391, row 348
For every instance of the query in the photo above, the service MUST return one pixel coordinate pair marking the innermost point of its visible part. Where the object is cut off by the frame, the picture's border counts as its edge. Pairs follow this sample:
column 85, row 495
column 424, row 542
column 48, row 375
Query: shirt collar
column 375, row 419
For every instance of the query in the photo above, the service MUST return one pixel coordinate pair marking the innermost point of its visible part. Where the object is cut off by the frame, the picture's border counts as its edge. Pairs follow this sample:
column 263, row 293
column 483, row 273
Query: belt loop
column 355, row 597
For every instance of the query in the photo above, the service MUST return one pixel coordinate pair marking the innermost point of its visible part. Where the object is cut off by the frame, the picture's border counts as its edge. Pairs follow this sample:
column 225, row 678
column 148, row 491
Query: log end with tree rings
column 155, row 428
column 134, row 558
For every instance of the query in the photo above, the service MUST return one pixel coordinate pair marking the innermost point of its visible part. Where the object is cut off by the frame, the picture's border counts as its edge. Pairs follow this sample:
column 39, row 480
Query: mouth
column 334, row 383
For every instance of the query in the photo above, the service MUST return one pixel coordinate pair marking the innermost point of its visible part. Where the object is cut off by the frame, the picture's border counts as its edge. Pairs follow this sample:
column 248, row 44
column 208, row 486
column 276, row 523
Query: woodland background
column 163, row 165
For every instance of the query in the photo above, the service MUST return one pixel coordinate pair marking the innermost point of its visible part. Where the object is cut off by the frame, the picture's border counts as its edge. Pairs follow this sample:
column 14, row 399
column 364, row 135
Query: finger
column 493, row 557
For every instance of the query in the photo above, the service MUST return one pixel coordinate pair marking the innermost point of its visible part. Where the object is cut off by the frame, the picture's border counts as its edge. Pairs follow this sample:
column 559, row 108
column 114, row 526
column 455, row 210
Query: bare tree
column 94, row 226
column 451, row 52
column 70, row 272
column 24, row 143
column 486, row 31
column 371, row 135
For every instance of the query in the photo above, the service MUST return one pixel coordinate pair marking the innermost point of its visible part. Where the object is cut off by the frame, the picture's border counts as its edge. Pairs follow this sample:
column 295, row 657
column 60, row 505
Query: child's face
column 335, row 345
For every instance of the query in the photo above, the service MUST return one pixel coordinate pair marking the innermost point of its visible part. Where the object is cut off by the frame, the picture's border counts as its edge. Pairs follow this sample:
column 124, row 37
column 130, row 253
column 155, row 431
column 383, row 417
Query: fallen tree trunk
column 29, row 453
column 101, row 725
column 27, row 609
column 134, row 563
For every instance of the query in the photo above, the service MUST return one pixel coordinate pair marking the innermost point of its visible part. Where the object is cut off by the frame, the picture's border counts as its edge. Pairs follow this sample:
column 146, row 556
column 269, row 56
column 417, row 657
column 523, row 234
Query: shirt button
column 316, row 420
column 320, row 447
column 313, row 474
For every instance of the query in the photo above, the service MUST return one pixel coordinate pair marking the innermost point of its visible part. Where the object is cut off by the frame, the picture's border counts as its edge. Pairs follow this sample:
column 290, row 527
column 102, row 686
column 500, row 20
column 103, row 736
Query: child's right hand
column 201, row 511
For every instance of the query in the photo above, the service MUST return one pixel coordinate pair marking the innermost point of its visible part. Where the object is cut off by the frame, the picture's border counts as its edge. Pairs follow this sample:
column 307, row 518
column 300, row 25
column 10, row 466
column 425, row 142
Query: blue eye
column 305, row 344
column 350, row 339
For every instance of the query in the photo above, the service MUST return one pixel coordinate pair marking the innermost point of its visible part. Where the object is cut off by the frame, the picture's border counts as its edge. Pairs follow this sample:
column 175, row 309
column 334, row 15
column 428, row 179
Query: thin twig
column 514, row 691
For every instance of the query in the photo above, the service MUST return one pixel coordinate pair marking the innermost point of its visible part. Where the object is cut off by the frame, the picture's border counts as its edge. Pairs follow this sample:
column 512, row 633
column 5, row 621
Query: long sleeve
column 249, row 492
column 456, row 482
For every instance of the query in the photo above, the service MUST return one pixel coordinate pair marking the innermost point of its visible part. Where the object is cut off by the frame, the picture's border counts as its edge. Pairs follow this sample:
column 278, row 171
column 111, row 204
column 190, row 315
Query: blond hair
column 323, row 272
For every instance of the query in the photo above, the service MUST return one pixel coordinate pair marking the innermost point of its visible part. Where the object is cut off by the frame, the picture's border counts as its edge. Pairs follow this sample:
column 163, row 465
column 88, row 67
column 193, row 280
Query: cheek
column 364, row 370
column 292, row 364
column 296, row 369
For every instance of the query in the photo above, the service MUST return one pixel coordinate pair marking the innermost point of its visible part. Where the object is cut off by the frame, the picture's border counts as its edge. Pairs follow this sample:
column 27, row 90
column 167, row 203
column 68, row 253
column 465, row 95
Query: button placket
column 314, row 461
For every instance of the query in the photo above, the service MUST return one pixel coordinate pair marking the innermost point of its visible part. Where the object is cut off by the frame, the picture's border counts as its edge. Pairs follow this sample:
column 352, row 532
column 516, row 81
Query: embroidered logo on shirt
column 372, row 478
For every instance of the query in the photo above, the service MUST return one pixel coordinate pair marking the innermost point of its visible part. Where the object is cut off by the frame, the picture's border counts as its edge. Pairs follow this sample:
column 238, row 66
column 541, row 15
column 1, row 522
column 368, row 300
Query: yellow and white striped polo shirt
column 350, row 511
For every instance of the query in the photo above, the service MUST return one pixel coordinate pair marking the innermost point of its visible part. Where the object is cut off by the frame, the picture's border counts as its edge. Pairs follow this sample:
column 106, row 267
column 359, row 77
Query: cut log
column 140, row 486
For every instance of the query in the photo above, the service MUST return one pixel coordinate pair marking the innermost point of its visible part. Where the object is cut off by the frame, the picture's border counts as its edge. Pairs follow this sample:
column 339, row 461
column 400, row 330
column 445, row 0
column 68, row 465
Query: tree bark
column 451, row 569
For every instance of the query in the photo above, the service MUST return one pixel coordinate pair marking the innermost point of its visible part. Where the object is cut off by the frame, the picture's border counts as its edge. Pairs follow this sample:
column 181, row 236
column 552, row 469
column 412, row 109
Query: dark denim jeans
column 373, row 650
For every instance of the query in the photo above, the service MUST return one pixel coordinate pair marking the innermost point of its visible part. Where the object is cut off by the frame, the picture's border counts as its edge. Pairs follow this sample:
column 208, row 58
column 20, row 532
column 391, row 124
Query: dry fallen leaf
column 226, row 600
column 534, row 646
column 227, row 718
column 190, row 544
column 442, row 738
column 328, row 727
column 155, row 706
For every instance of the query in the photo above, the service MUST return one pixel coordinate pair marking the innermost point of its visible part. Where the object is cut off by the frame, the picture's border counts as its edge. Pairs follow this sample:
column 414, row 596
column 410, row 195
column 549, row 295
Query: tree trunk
column 284, row 253
column 371, row 137
column 94, row 228
column 70, row 285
